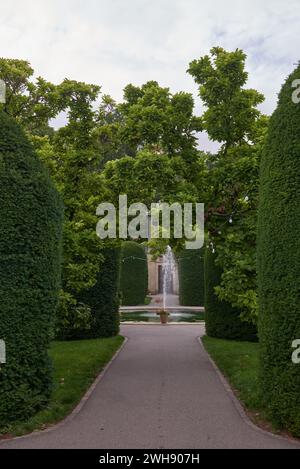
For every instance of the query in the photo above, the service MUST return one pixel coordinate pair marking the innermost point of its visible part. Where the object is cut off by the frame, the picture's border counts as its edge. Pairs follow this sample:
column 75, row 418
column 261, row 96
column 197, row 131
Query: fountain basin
column 177, row 315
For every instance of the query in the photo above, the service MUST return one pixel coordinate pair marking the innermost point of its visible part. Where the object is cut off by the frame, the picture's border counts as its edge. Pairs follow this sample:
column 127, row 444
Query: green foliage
column 231, row 180
column 73, row 319
column 279, row 261
column 73, row 162
column 103, row 297
column 191, row 277
column 221, row 319
column 155, row 117
column 30, row 241
column 134, row 274
column 32, row 104
column 231, row 110
column 152, row 177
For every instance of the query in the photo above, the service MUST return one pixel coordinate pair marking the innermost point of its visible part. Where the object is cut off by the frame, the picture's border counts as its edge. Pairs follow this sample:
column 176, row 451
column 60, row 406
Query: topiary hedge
column 191, row 277
column 134, row 274
column 221, row 319
column 30, row 262
column 278, row 260
column 103, row 297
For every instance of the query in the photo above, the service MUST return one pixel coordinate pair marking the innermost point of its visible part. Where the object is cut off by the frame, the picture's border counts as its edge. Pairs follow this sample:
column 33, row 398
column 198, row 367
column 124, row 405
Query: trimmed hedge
column 278, row 260
column 191, row 277
column 30, row 264
column 103, row 297
column 134, row 274
column 221, row 319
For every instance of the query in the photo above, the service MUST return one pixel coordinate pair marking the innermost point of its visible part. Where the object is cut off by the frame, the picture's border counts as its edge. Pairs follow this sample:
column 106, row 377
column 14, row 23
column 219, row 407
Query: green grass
column 76, row 365
column 238, row 361
column 147, row 300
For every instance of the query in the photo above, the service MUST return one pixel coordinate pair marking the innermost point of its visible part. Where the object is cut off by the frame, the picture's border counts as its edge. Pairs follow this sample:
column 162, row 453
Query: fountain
column 168, row 272
column 169, row 266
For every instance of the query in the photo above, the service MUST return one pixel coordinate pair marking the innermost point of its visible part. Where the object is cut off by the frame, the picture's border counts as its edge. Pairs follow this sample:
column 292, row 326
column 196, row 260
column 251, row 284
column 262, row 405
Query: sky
column 116, row 42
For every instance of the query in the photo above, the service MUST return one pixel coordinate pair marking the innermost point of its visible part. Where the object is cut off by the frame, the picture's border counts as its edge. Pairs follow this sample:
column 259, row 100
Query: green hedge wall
column 30, row 264
column 191, row 277
column 103, row 297
column 134, row 274
column 278, row 260
column 221, row 319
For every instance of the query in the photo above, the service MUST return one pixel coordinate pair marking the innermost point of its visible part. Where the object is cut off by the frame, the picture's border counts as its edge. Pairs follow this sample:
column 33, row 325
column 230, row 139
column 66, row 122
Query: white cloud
column 114, row 42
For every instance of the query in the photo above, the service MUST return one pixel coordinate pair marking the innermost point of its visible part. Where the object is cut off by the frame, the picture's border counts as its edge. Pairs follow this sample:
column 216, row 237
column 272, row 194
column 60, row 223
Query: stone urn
column 163, row 316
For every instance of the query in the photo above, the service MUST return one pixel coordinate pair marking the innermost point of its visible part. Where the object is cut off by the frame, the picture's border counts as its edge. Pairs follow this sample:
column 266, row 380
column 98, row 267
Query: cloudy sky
column 115, row 42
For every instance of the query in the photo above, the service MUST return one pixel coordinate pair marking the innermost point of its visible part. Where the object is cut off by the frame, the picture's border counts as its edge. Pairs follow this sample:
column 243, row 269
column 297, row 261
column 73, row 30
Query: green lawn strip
column 76, row 365
column 238, row 361
column 147, row 300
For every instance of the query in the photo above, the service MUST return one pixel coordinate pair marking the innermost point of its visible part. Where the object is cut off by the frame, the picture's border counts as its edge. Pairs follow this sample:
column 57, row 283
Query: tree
column 30, row 264
column 134, row 274
column 32, row 104
column 73, row 162
column 231, row 113
column 153, row 117
column 232, row 119
column 279, row 261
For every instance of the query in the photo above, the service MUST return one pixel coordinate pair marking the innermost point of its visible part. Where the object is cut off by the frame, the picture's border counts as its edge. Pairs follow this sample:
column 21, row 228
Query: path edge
column 237, row 403
column 80, row 404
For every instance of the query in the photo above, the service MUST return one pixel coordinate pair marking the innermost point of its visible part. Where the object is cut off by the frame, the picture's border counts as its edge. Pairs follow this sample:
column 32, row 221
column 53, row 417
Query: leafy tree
column 152, row 116
column 32, row 104
column 73, row 162
column 231, row 113
column 232, row 118
column 279, row 261
column 151, row 178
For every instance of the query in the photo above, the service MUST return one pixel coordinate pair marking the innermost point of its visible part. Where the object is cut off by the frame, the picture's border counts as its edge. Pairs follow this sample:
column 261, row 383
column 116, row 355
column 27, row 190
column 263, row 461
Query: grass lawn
column 238, row 361
column 76, row 365
column 147, row 300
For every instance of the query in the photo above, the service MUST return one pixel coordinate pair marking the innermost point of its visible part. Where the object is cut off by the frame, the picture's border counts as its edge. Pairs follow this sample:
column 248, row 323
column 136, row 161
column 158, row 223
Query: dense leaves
column 233, row 120
column 134, row 274
column 191, row 277
column 279, row 261
column 221, row 319
column 30, row 248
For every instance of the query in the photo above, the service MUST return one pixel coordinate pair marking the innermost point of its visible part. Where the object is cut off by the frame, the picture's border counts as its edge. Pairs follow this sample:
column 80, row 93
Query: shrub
column 30, row 240
column 103, row 297
column 191, row 277
column 221, row 319
column 73, row 319
column 134, row 274
column 278, row 260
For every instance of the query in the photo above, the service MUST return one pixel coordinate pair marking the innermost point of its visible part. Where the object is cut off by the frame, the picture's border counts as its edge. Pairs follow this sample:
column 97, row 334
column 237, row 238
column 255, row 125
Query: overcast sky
column 116, row 42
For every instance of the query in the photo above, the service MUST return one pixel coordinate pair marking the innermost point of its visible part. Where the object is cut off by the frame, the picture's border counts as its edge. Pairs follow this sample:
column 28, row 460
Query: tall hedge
column 30, row 261
column 221, row 319
column 134, row 274
column 278, row 260
column 103, row 297
column 191, row 277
